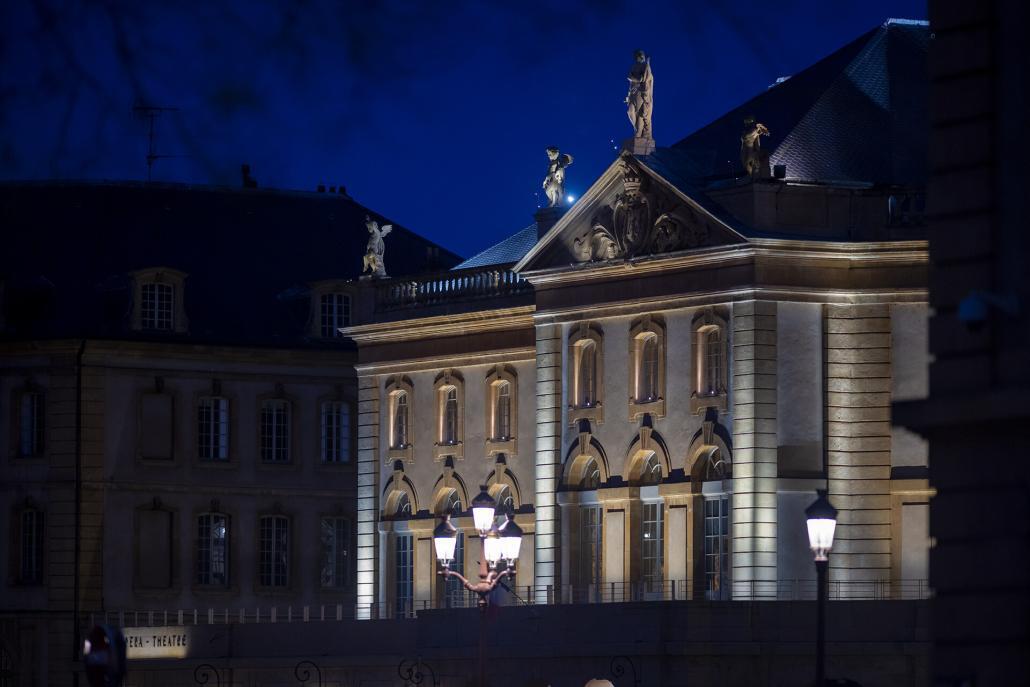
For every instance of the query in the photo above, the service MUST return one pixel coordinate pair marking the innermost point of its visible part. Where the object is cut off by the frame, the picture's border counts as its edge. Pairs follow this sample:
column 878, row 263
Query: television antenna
column 152, row 112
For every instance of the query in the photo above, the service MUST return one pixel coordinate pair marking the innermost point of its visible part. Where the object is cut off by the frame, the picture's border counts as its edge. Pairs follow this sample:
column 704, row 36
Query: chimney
column 321, row 188
column 547, row 218
column 248, row 181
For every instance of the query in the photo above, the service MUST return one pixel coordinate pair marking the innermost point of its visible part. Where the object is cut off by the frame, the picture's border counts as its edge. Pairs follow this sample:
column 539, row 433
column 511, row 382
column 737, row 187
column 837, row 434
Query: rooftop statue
column 640, row 97
column 373, row 261
column 751, row 154
column 554, row 182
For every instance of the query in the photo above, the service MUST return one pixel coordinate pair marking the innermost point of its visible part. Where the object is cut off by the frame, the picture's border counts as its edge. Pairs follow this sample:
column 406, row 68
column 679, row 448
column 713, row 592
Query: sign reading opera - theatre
column 157, row 642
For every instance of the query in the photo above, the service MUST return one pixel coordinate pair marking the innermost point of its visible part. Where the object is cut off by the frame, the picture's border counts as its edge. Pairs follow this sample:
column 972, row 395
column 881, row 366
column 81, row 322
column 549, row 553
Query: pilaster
column 368, row 494
column 547, row 549
column 858, row 438
column 753, row 514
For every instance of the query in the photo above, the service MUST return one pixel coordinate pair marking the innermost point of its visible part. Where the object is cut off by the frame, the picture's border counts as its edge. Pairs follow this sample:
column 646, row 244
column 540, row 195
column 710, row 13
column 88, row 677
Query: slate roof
column 858, row 116
column 68, row 249
column 507, row 251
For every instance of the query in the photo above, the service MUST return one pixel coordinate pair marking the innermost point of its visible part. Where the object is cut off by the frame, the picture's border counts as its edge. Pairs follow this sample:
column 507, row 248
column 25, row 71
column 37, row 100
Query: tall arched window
column 587, row 376
column 401, row 419
column 586, row 367
column 449, row 431
column 708, row 362
column 502, row 412
column 647, row 376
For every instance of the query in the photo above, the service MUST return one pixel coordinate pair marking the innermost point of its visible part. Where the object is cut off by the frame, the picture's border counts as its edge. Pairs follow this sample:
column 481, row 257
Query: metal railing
column 442, row 287
column 608, row 592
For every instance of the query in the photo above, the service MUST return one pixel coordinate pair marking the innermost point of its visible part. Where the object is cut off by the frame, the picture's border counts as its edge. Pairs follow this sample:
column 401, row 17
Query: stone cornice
column 800, row 252
column 458, row 324
column 658, row 304
column 496, row 357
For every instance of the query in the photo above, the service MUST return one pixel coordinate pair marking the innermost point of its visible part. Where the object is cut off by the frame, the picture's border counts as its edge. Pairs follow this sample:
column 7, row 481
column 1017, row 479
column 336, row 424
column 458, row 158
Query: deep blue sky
column 435, row 114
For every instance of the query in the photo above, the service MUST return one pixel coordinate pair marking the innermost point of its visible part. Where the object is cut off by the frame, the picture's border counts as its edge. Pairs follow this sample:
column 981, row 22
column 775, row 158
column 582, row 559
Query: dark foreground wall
column 875, row 643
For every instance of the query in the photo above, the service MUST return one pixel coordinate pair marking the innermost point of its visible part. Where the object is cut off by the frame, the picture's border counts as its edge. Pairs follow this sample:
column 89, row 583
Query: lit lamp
column 822, row 521
column 497, row 545
column 445, row 539
column 511, row 539
column 483, row 508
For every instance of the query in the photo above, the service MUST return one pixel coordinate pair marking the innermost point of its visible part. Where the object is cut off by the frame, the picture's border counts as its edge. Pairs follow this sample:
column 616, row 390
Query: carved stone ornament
column 376, row 248
column 639, row 222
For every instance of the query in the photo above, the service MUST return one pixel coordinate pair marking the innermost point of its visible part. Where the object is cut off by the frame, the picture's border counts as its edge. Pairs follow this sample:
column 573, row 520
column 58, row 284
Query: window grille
column 651, row 547
column 590, row 545
column 213, row 428
column 213, row 549
column 274, row 565
column 335, row 314
column 156, row 308
column 717, row 554
column 275, row 431
column 404, row 569
column 336, row 432
column 335, row 538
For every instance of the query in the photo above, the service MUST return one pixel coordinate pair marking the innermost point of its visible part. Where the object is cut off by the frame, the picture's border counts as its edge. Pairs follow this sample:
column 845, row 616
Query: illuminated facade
column 692, row 355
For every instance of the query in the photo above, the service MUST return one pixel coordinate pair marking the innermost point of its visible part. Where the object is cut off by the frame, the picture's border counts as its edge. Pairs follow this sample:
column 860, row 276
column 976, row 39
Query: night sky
column 435, row 114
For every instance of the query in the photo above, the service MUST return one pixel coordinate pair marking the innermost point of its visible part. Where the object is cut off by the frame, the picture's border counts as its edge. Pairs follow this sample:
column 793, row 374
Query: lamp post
column 500, row 549
column 822, row 521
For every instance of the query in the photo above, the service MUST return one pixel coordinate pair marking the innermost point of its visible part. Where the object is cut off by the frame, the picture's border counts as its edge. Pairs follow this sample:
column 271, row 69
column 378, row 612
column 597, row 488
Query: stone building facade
column 689, row 357
column 178, row 428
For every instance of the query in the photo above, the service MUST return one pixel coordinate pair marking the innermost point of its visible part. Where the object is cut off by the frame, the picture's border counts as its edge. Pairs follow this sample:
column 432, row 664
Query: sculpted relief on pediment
column 640, row 221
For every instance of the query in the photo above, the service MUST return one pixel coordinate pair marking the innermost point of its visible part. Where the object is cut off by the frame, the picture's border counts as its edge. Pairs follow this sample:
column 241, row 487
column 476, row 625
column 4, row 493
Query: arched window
column 450, row 413
column 400, row 420
column 647, row 366
column 647, row 376
column 403, row 509
column 586, row 363
column 652, row 470
column 502, row 412
column 587, row 378
column 708, row 362
column 449, row 431
column 450, row 504
column 591, row 475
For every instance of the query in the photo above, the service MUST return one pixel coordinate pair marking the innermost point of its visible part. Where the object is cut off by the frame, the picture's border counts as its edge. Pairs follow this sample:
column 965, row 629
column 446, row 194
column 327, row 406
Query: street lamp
column 500, row 547
column 822, row 521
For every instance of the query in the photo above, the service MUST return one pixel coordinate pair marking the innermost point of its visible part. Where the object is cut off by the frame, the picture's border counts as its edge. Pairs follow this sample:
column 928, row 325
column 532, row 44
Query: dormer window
column 157, row 306
column 335, row 308
column 157, row 300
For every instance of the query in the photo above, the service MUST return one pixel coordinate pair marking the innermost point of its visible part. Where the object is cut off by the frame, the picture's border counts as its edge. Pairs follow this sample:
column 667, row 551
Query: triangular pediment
column 629, row 213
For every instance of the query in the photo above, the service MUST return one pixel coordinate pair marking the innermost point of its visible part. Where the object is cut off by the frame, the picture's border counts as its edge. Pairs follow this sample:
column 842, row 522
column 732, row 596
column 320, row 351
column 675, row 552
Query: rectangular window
column 404, row 571
column 274, row 562
column 156, row 431
column 156, row 307
column 275, row 431
column 651, row 548
column 213, row 549
column 31, row 414
column 336, row 432
column 717, row 547
column 32, row 542
column 335, row 314
column 589, row 546
column 335, row 536
column 449, row 435
column 213, row 428
column 400, row 420
column 713, row 362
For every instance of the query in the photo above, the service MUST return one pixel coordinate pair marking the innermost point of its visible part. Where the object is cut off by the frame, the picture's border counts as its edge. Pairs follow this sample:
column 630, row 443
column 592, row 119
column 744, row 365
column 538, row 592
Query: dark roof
column 857, row 116
column 509, row 250
column 250, row 254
